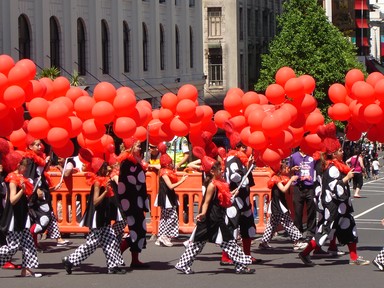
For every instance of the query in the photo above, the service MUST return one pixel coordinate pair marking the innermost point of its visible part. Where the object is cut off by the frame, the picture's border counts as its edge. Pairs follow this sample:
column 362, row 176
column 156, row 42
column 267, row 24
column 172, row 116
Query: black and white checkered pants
column 106, row 238
column 20, row 240
column 380, row 257
column 286, row 221
column 169, row 222
column 118, row 227
column 234, row 251
column 53, row 231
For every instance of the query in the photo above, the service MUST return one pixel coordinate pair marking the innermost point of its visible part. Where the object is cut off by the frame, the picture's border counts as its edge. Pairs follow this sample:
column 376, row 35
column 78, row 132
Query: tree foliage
column 309, row 44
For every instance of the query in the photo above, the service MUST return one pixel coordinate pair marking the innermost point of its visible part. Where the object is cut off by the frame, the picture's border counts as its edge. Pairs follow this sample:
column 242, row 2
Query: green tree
column 309, row 44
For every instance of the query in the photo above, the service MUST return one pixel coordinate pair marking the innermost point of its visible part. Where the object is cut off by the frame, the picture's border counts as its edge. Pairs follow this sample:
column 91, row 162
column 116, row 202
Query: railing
column 69, row 202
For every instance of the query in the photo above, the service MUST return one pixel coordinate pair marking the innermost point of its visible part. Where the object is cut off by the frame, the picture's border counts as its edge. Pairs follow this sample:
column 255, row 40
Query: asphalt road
column 281, row 266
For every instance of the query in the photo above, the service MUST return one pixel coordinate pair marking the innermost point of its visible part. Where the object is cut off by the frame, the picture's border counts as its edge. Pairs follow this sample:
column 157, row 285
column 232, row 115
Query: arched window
column 162, row 48
column 177, row 43
column 54, row 42
column 24, row 37
column 105, row 47
column 126, row 46
column 145, row 47
column 190, row 47
column 81, row 54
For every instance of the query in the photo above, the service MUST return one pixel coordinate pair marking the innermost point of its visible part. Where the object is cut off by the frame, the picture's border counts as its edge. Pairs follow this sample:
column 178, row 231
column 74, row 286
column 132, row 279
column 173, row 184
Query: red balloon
column 363, row 92
column 290, row 109
column 169, row 101
column 187, row 91
column 283, row 75
column 208, row 113
column 65, row 151
column 124, row 127
column 352, row 133
column 313, row 121
column 275, row 94
column 6, row 64
column 352, row 77
column 308, row 82
column 179, row 127
column 93, row 130
column 154, row 127
column 61, row 85
column 221, row 117
column 270, row 156
column 373, row 114
column 140, row 133
column 83, row 107
column 4, row 110
column 19, row 76
column 142, row 115
column 313, row 140
column 76, row 126
column 257, row 140
column 57, row 113
column 38, row 107
column 165, row 115
column 18, row 138
column 186, row 108
column 238, row 122
column 65, row 101
column 3, row 84
column 28, row 65
column 199, row 115
column 233, row 103
column 124, row 102
column 374, row 77
column 38, row 127
column 294, row 89
column 379, row 90
column 50, row 92
column 17, row 115
column 73, row 93
column 57, row 137
column 6, row 126
column 263, row 99
column 34, row 89
column 104, row 91
column 271, row 126
column 308, row 104
column 250, row 97
column 195, row 139
column 255, row 119
column 337, row 93
column 339, row 111
column 108, row 143
column 103, row 112
column 284, row 140
column 14, row 96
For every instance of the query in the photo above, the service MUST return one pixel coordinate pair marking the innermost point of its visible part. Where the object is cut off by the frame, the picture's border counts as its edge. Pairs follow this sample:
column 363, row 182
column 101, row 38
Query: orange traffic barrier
column 69, row 202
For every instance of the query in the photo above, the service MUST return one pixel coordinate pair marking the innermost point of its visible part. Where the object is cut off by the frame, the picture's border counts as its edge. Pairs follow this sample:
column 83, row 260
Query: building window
column 81, row 56
column 24, row 38
column 126, row 46
column 177, row 43
column 105, row 46
column 241, row 24
column 162, row 48
column 54, row 42
column 145, row 47
column 214, row 22
column 191, row 51
column 215, row 67
column 161, row 1
column 191, row 3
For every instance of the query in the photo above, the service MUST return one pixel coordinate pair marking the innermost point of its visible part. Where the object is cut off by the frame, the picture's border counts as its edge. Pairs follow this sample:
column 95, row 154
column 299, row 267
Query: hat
column 329, row 140
column 96, row 164
column 206, row 161
column 11, row 160
column 165, row 159
column 4, row 147
column 29, row 140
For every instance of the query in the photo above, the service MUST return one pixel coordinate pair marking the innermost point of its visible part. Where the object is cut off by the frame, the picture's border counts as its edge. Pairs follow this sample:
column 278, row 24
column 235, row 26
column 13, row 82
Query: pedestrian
column 167, row 199
column 379, row 260
column 303, row 165
column 375, row 168
column 335, row 198
column 133, row 197
column 279, row 184
column 15, row 220
column 97, row 217
column 356, row 162
column 211, row 224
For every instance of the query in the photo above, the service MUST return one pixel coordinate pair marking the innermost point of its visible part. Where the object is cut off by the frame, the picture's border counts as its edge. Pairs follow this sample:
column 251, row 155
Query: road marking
column 369, row 210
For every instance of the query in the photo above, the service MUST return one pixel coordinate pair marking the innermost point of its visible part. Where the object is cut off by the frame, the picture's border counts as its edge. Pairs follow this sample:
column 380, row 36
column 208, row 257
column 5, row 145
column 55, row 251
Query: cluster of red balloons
column 274, row 123
column 360, row 102
column 179, row 115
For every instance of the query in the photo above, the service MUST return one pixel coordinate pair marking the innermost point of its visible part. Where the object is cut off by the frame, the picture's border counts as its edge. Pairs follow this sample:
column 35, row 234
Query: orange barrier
column 69, row 202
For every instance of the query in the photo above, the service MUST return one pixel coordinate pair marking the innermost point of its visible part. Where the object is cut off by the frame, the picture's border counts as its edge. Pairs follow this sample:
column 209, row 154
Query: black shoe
column 246, row 271
column 226, row 263
column 116, row 270
column 67, row 265
column 306, row 260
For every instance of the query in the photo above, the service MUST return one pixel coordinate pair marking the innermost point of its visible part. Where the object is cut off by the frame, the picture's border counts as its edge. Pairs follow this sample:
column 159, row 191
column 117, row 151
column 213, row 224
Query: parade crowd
column 323, row 183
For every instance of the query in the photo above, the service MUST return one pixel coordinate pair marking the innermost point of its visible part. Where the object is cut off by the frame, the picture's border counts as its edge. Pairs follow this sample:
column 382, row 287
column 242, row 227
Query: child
column 167, row 199
column 211, row 224
column 280, row 184
column 97, row 217
column 15, row 219
column 375, row 168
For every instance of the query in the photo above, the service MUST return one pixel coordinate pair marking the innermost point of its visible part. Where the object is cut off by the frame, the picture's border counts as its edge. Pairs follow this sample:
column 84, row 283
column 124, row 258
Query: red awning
column 361, row 5
column 362, row 23
column 362, row 42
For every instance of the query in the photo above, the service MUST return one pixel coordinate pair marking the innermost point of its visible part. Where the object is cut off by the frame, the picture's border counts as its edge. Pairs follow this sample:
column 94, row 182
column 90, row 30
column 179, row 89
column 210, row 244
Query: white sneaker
column 299, row 245
column 157, row 242
column 166, row 241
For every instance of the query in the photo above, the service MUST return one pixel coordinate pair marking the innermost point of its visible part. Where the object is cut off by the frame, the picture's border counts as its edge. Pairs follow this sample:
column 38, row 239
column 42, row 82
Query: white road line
column 369, row 210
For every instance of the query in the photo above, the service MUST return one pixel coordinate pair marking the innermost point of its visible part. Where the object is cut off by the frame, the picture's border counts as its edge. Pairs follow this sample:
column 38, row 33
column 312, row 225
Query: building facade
column 152, row 46
column 235, row 34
